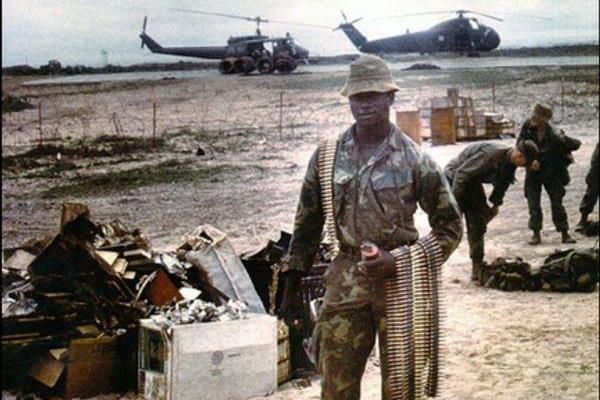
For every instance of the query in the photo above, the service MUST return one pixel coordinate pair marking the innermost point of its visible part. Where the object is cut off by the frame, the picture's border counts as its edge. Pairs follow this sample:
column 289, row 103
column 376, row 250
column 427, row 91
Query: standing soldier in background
column 477, row 164
column 551, row 172
column 590, row 198
column 379, row 177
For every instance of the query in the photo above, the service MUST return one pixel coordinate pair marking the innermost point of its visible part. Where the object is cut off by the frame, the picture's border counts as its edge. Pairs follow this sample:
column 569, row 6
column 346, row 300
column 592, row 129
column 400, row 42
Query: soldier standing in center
column 380, row 175
column 552, row 173
column 477, row 164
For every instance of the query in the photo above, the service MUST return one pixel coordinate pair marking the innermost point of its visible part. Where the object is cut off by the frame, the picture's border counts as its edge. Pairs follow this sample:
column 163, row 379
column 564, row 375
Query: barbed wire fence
column 280, row 115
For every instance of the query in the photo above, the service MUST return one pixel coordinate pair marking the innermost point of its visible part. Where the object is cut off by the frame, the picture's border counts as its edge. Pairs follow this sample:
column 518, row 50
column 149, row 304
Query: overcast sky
column 78, row 31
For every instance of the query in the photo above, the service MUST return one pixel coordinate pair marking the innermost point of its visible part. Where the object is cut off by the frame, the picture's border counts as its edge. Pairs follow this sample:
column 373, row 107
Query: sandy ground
column 499, row 345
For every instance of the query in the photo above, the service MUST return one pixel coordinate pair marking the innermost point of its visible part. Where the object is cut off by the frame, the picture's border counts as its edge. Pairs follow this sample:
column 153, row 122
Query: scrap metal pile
column 93, row 281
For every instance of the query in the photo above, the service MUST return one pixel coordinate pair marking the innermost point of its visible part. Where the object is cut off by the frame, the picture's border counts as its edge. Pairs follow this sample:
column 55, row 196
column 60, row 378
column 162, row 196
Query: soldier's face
column 537, row 122
column 517, row 158
column 371, row 108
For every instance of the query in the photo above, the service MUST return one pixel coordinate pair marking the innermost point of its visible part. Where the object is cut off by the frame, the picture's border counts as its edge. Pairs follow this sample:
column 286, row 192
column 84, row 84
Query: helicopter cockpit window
column 474, row 24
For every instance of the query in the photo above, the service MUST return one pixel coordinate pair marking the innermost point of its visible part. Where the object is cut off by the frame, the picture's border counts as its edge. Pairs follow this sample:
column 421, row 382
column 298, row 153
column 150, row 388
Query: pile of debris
column 72, row 303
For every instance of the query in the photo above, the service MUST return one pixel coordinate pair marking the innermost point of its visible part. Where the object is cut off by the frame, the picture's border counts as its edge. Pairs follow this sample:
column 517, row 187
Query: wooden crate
column 443, row 126
column 410, row 122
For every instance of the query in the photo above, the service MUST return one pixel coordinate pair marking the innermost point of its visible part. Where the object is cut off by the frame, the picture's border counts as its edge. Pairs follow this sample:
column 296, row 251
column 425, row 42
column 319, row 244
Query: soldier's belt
column 414, row 316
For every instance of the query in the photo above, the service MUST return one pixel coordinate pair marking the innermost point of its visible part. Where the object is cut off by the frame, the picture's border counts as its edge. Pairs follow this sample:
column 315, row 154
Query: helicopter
column 242, row 54
column 461, row 35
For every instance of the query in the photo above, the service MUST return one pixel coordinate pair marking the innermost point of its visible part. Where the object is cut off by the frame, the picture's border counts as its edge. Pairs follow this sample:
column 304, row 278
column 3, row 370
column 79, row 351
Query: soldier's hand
column 535, row 165
column 291, row 303
column 384, row 266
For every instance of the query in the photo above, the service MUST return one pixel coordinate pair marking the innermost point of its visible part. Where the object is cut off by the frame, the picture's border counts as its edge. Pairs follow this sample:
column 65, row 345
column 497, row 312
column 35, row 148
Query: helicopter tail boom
column 357, row 38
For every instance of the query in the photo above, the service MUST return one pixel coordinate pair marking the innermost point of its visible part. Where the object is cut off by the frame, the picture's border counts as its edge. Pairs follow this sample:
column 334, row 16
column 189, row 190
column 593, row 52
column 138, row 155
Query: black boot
column 566, row 238
column 536, row 238
column 582, row 225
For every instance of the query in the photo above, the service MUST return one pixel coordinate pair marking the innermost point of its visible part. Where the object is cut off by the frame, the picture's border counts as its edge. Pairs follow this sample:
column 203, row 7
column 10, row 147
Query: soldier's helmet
column 369, row 73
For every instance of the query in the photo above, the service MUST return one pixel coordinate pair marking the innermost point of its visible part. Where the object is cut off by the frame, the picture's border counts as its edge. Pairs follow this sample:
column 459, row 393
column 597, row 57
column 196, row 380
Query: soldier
column 482, row 163
column 590, row 198
column 555, row 156
column 380, row 175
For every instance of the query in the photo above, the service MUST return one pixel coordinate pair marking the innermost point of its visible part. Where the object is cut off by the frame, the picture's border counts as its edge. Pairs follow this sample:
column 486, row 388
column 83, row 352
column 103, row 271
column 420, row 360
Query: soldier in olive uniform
column 482, row 163
column 380, row 175
column 590, row 198
column 551, row 172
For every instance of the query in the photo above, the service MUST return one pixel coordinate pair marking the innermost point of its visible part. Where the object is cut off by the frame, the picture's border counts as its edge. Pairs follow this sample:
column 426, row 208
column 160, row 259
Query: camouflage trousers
column 353, row 313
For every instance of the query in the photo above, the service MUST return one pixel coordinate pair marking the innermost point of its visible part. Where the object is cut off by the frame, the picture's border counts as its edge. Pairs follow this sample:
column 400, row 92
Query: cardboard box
column 212, row 360
column 86, row 368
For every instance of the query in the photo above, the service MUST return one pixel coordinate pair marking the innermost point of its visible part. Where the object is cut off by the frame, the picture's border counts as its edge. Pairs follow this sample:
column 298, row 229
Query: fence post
column 562, row 97
column 40, row 121
column 280, row 115
column 154, row 122
column 494, row 97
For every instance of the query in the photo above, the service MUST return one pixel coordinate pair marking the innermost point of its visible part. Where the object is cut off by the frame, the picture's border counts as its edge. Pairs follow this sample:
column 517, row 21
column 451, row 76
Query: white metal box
column 230, row 360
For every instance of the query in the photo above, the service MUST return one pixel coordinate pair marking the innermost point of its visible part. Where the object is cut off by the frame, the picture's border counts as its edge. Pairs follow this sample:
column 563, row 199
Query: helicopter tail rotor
column 144, row 29
column 345, row 23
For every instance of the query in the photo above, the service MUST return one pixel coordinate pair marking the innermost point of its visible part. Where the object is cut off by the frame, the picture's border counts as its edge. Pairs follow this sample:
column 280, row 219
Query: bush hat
column 542, row 111
column 369, row 73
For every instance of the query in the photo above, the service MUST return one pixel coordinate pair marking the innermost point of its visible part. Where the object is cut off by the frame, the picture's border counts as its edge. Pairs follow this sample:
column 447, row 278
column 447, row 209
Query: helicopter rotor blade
column 460, row 12
column 255, row 19
column 527, row 16
column 482, row 14
column 344, row 16
column 299, row 24
column 413, row 14
column 355, row 21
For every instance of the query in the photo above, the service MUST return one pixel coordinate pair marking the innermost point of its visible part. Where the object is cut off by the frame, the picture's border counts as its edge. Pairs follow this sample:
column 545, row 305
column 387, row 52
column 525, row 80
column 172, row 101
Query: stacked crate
column 449, row 118
column 496, row 125
column 464, row 114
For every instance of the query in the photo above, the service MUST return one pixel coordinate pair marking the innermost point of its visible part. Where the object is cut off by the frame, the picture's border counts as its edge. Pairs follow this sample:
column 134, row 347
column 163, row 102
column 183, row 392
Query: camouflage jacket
column 376, row 201
column 481, row 163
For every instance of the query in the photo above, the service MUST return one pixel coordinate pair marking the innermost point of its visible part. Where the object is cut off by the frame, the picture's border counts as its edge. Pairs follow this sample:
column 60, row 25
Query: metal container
column 213, row 360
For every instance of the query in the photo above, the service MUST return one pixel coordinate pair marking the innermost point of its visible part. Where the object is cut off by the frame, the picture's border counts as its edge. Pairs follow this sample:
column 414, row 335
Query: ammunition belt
column 413, row 313
column 326, row 162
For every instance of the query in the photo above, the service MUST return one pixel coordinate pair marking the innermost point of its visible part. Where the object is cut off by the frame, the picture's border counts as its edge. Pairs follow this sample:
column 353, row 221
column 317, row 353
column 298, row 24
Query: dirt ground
column 257, row 134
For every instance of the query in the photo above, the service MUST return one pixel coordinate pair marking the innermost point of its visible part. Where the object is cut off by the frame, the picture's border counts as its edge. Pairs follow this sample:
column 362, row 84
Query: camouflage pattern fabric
column 563, row 271
column 376, row 202
column 571, row 270
column 509, row 274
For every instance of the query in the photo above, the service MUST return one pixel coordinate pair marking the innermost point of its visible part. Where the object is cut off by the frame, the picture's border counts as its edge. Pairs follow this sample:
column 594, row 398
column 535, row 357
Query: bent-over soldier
column 555, row 156
column 590, row 198
column 380, row 175
column 477, row 164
